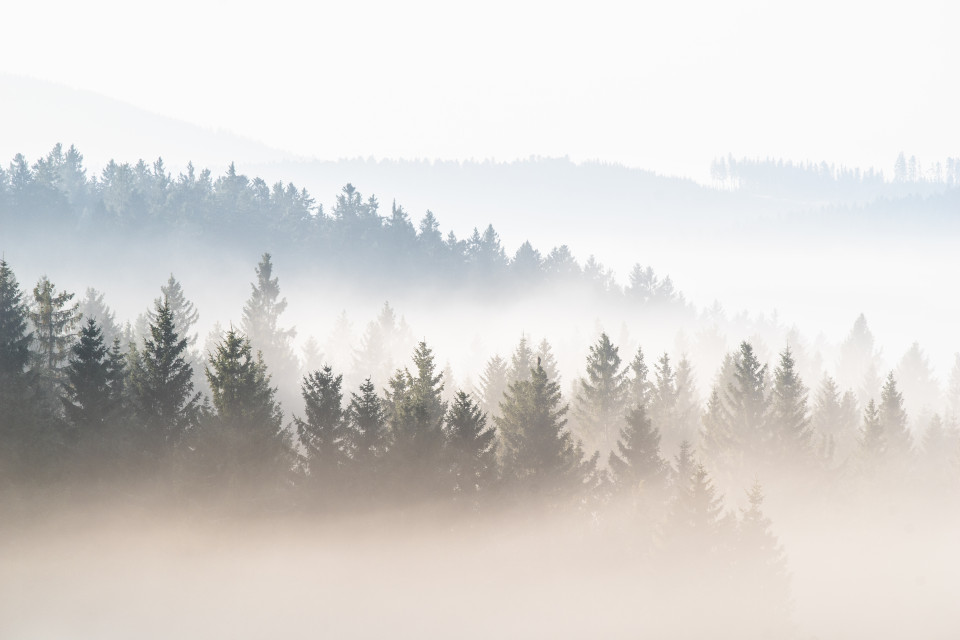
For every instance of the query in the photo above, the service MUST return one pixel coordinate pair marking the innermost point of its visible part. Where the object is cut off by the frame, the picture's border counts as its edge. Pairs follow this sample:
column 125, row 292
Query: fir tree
column 53, row 323
column 748, row 403
column 162, row 382
column 761, row 569
column 688, row 407
column 539, row 453
column 640, row 388
column 88, row 398
column 548, row 361
column 602, row 396
column 873, row 441
column 521, row 362
column 493, row 384
column 893, row 419
column 249, row 440
column 185, row 315
column 789, row 423
column 415, row 414
column 93, row 307
column 322, row 434
column 698, row 515
column 471, row 446
column 15, row 336
column 367, row 435
column 637, row 462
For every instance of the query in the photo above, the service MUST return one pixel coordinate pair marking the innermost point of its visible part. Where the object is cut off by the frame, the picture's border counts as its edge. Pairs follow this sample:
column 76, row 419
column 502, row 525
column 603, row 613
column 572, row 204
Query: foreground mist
column 139, row 499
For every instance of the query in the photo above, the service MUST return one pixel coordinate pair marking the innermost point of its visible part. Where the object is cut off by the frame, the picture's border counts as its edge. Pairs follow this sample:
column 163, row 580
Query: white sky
column 665, row 86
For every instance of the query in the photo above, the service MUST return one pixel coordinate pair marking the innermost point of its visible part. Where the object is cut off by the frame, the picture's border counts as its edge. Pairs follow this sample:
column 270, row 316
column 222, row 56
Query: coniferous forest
column 680, row 478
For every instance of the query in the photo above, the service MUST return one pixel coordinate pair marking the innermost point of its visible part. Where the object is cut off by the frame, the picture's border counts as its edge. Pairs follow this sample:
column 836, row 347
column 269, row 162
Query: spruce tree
column 493, row 384
column 893, row 419
column 540, row 455
column 471, row 446
column 261, row 326
column 19, row 422
column 637, row 464
column 88, row 398
column 873, row 441
column 367, row 434
column 521, row 362
column 93, row 307
column 322, row 434
column 697, row 522
column 15, row 335
column 249, row 441
column 415, row 414
column 603, row 395
column 789, row 422
column 762, row 582
column 185, row 315
column 548, row 361
column 639, row 386
column 162, row 381
column 54, row 320
column 688, row 407
column 747, row 401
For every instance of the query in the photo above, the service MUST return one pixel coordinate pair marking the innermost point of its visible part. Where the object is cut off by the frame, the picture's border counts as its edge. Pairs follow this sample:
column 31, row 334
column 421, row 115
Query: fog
column 430, row 321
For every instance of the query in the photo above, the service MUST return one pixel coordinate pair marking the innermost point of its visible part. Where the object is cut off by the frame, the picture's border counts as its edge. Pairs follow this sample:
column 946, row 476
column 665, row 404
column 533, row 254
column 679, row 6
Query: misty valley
column 512, row 446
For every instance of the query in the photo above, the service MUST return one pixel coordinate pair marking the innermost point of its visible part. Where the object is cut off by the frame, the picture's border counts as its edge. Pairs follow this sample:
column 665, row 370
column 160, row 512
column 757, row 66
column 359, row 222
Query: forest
column 700, row 481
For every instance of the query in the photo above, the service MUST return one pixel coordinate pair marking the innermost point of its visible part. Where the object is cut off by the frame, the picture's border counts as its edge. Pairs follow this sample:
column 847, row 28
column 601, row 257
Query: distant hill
column 36, row 114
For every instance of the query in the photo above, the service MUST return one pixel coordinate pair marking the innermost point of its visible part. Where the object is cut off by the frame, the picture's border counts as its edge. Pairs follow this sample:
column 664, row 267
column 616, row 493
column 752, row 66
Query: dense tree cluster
column 356, row 239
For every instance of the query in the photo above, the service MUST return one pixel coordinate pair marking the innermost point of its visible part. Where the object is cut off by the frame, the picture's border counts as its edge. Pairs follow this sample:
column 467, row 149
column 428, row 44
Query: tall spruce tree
column 261, row 325
column 640, row 387
column 415, row 415
column 185, row 315
column 521, row 362
column 471, row 447
column 789, row 420
column 748, row 403
column 493, row 384
column 162, row 382
column 603, row 395
column 18, row 419
column 322, row 434
column 367, row 434
column 54, row 321
column 893, row 419
column 637, row 464
column 873, row 441
column 540, row 455
column 249, row 441
column 88, row 399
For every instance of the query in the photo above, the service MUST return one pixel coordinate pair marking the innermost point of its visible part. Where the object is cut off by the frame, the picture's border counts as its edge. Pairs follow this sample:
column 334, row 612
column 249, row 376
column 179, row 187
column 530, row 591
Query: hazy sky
column 666, row 85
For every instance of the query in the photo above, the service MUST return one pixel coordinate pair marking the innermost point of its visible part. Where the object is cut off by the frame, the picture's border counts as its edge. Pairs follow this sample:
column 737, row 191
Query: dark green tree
column 540, row 455
column 162, row 382
column 249, row 442
column 471, row 447
column 15, row 335
column 367, row 434
column 88, row 399
column 322, row 434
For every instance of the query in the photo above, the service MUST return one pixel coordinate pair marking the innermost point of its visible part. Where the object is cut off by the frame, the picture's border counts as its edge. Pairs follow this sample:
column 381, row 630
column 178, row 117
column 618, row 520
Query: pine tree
column 540, row 455
column 88, row 398
column 493, row 384
column 873, row 441
column 261, row 325
column 93, row 307
column 697, row 523
column 548, row 361
column 762, row 583
column 249, row 441
column 53, row 324
column 322, row 434
column 521, row 362
column 748, row 403
column 15, row 336
column 637, row 463
column 415, row 415
column 639, row 386
column 602, row 397
column 20, row 435
column 688, row 403
column 367, row 435
column 471, row 446
column 893, row 419
column 663, row 401
column 185, row 315
column 162, row 382
column 789, row 423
